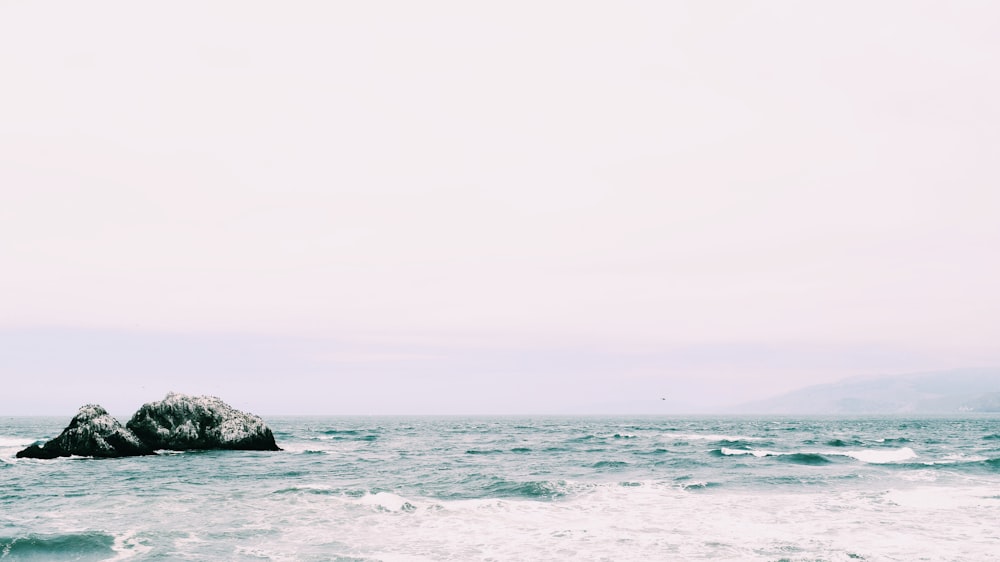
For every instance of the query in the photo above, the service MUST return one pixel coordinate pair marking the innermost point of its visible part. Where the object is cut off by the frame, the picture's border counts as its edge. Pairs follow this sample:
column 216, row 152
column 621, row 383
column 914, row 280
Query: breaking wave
column 71, row 546
column 532, row 489
column 820, row 457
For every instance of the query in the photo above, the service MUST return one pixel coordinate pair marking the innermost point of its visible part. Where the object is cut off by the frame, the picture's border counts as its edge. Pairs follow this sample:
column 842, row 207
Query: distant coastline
column 956, row 392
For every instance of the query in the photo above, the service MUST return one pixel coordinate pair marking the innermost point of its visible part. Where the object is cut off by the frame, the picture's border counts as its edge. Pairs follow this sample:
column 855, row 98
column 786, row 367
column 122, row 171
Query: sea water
column 522, row 488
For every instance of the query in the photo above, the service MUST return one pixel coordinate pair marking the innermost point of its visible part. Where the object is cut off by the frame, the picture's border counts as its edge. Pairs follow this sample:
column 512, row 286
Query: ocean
column 522, row 488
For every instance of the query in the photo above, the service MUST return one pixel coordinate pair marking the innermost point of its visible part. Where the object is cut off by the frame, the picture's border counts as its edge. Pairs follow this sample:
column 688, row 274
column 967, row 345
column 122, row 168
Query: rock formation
column 180, row 422
column 91, row 433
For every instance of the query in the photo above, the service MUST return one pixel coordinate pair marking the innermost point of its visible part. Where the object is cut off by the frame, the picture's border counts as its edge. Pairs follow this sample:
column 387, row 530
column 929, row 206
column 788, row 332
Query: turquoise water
column 522, row 488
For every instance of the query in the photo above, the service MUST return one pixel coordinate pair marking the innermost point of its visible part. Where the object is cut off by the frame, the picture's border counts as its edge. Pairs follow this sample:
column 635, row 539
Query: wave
column 805, row 458
column 306, row 490
column 842, row 443
column 714, row 437
column 992, row 436
column 955, row 460
column 71, row 546
column 727, row 452
column 532, row 489
column 972, row 465
column 350, row 434
column 736, row 443
column 869, row 456
column 609, row 464
column 700, row 485
column 348, row 438
column 348, row 431
column 884, row 456
column 387, row 501
column 520, row 450
column 483, row 452
column 990, row 465
column 802, row 457
column 657, row 451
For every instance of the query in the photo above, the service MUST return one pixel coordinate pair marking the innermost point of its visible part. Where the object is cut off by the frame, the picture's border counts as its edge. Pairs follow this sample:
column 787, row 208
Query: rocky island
column 92, row 432
column 178, row 422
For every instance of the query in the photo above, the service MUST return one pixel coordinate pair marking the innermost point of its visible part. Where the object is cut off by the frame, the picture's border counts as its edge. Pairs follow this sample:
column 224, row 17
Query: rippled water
column 394, row 488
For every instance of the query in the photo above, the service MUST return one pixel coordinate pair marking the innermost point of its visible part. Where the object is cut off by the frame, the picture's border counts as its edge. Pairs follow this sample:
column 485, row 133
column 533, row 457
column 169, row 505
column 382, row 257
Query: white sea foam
column 386, row 501
column 6, row 441
column 939, row 497
column 880, row 456
column 756, row 452
column 127, row 545
column 920, row 476
column 300, row 447
column 9, row 446
column 655, row 520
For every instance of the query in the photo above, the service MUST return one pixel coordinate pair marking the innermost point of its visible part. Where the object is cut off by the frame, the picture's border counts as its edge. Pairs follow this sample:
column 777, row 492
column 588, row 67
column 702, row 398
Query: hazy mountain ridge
column 954, row 391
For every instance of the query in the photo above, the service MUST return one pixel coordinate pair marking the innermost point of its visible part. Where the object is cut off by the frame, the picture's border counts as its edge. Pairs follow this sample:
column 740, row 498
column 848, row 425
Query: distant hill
column 940, row 392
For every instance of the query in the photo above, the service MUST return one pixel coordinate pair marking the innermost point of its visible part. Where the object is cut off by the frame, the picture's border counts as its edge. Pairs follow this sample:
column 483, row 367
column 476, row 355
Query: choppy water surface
column 394, row 488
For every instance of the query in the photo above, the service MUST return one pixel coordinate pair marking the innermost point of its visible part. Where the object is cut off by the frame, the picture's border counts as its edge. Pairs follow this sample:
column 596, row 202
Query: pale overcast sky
column 507, row 207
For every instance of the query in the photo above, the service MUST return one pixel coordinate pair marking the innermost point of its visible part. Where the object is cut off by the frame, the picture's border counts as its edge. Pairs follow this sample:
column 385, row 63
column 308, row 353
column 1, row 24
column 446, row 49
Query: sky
column 492, row 208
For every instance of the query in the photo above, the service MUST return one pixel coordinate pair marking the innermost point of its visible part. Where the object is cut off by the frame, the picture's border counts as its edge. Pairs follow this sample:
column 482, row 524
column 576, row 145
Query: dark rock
column 91, row 433
column 180, row 422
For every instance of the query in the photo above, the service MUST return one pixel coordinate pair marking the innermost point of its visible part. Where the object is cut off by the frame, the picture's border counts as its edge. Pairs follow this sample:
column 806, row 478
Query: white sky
column 513, row 207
